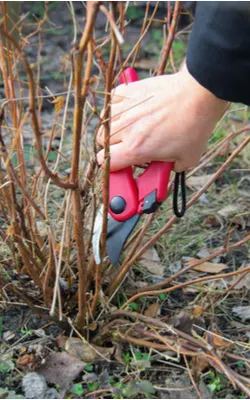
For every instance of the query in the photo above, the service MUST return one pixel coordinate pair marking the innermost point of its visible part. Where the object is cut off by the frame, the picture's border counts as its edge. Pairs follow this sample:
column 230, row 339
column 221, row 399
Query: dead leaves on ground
column 211, row 221
column 150, row 260
column 198, row 364
column 229, row 210
column 61, row 369
column 185, row 321
column 215, row 339
column 152, row 310
column 197, row 182
column 205, row 267
column 82, row 350
column 243, row 283
column 26, row 361
column 243, row 312
column 208, row 267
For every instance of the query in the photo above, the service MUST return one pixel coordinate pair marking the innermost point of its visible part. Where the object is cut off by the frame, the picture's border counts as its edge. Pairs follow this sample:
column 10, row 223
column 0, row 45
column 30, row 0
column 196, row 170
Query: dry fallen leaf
column 22, row 350
column 197, row 182
column 61, row 369
column 152, row 310
column 205, row 252
column 198, row 311
column 9, row 335
column 185, row 320
column 10, row 230
column 243, row 283
column 229, row 210
column 216, row 340
column 190, row 290
column 243, row 312
column 59, row 103
column 61, row 341
column 140, row 284
column 26, row 361
column 211, row 221
column 151, row 261
column 210, row 268
column 76, row 347
column 198, row 364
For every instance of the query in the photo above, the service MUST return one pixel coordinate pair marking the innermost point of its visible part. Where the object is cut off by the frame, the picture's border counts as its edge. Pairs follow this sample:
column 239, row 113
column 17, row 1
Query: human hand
column 165, row 118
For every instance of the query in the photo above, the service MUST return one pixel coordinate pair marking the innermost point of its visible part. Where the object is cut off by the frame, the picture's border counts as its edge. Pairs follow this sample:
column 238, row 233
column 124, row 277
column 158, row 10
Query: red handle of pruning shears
column 129, row 192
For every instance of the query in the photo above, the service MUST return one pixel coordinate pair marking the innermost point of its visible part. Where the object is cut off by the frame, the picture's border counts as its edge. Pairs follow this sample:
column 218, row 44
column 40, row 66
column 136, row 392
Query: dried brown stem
column 49, row 275
column 227, row 290
column 150, row 345
column 169, row 41
column 80, row 98
column 63, row 324
column 98, row 285
column 141, row 34
column 216, row 253
column 106, row 124
column 191, row 377
column 138, row 42
column 185, row 284
column 35, row 124
column 196, row 345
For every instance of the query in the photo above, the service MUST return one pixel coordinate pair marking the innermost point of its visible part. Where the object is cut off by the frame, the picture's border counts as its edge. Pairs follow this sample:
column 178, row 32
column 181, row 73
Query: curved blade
column 118, row 232
column 97, row 236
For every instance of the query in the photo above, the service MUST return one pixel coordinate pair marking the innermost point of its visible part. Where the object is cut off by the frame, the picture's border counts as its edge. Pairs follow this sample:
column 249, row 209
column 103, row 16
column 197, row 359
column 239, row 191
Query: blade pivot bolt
column 117, row 205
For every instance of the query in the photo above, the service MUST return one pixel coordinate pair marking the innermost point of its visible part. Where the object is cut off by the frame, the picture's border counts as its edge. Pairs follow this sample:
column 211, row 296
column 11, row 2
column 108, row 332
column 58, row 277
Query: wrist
column 204, row 101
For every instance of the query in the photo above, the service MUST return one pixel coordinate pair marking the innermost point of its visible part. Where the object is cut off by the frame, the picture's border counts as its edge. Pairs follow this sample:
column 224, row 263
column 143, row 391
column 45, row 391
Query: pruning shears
column 131, row 197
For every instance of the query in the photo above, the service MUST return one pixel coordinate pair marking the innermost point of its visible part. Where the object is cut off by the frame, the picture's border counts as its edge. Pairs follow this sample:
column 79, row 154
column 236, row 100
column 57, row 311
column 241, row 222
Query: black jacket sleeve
column 218, row 55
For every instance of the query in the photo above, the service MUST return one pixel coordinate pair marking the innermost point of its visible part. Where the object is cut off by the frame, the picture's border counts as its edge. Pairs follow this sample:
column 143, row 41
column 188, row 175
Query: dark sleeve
column 218, row 55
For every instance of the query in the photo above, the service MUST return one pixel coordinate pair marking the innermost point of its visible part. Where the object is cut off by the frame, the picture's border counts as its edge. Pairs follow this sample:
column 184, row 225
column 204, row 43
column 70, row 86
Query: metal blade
column 118, row 232
column 97, row 236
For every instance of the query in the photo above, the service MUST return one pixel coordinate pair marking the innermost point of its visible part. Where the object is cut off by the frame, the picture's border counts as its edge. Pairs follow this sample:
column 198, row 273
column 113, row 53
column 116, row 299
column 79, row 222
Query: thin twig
column 32, row 105
column 185, row 284
column 170, row 38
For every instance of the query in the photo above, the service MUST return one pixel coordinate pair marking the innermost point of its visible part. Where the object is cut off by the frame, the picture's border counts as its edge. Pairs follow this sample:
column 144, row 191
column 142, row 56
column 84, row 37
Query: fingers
column 119, row 157
column 178, row 166
column 118, row 94
column 117, row 133
column 122, row 119
column 117, row 160
column 128, row 105
column 183, row 165
column 117, row 108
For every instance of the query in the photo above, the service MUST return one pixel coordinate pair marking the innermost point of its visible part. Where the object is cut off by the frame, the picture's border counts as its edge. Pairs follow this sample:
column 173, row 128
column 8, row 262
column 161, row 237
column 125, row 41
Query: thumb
column 179, row 166
column 118, row 157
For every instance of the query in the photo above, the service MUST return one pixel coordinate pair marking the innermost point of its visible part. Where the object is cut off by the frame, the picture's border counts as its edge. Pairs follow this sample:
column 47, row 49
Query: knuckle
column 118, row 93
column 134, row 152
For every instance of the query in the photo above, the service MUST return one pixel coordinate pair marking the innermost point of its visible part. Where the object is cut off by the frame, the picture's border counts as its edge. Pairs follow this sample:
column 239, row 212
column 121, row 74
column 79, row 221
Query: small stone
column 175, row 267
column 52, row 394
column 90, row 378
column 34, row 386
column 8, row 335
column 104, row 377
column 204, row 199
